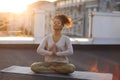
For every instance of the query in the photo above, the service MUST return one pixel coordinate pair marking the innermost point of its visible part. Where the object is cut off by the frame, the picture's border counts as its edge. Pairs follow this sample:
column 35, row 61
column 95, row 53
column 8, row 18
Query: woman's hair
column 67, row 21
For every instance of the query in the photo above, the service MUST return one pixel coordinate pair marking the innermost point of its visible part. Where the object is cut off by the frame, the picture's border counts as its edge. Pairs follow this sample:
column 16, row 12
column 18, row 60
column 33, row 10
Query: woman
column 55, row 48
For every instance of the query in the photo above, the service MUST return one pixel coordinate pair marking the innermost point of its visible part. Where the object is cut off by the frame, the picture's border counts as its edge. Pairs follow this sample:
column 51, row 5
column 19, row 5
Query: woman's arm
column 69, row 49
column 41, row 48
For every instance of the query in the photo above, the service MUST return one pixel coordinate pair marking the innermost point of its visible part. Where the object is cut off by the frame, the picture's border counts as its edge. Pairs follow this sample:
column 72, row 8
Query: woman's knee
column 36, row 66
column 70, row 68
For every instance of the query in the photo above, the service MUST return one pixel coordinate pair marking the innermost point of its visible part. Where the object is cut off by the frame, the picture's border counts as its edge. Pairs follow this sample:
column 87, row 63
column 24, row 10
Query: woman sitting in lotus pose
column 55, row 48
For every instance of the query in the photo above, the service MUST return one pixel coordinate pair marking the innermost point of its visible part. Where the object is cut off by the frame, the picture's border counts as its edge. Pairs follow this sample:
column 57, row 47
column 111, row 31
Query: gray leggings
column 52, row 67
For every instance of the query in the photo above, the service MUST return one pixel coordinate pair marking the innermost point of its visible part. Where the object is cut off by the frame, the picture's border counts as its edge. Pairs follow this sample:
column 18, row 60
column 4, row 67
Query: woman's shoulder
column 47, row 37
column 66, row 37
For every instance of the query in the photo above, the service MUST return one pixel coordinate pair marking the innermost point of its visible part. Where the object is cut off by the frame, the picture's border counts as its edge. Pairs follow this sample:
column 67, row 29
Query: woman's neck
column 56, row 36
column 57, row 33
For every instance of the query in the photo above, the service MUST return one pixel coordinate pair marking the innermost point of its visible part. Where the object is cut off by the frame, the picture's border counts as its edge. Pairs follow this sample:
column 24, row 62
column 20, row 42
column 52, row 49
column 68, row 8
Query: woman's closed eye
column 57, row 23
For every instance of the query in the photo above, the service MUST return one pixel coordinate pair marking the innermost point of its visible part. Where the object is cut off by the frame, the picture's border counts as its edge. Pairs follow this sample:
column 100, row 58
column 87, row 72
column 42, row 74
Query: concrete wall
column 106, row 28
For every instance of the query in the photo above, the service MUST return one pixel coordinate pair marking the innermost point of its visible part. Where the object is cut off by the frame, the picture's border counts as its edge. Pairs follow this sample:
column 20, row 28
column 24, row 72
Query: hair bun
column 69, row 24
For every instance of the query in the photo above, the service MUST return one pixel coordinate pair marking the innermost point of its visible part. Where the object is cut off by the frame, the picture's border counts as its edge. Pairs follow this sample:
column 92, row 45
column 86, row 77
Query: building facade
column 81, row 13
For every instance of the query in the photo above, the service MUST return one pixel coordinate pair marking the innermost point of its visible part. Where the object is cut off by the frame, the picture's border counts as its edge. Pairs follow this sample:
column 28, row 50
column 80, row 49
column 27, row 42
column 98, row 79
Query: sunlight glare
column 14, row 5
column 50, row 0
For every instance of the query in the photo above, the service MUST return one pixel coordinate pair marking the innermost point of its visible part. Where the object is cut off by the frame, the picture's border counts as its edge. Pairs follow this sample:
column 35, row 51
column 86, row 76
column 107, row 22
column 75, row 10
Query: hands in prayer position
column 53, row 49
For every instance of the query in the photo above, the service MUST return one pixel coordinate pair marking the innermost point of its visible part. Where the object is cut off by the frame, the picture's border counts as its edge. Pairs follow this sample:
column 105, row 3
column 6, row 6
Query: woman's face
column 57, row 24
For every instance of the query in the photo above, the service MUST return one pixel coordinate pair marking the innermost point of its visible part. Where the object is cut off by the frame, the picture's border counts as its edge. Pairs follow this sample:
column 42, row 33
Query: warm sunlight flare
column 14, row 5
column 50, row 0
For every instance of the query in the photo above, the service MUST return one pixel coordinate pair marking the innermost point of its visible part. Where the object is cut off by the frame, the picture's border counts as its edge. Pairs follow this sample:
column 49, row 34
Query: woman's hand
column 53, row 49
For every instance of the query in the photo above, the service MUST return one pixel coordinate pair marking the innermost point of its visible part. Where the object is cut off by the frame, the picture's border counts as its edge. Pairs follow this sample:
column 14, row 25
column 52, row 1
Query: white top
column 64, row 49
